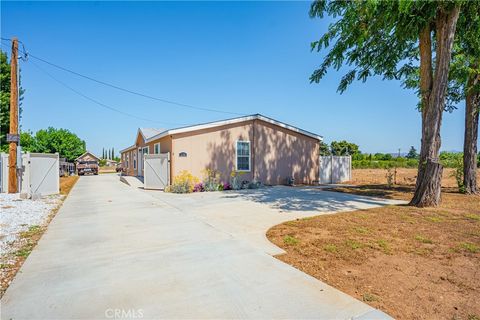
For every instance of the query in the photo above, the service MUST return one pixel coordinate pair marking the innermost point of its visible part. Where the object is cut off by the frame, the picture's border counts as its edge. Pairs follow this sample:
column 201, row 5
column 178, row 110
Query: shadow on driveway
column 309, row 199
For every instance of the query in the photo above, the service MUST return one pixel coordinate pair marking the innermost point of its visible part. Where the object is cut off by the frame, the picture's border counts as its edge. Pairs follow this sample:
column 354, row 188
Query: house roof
column 88, row 152
column 148, row 133
column 160, row 133
column 214, row 124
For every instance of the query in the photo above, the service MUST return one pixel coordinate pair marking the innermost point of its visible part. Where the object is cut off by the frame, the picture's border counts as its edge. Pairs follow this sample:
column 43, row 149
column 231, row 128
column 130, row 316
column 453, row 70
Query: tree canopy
column 395, row 39
column 52, row 140
column 343, row 148
column 412, row 154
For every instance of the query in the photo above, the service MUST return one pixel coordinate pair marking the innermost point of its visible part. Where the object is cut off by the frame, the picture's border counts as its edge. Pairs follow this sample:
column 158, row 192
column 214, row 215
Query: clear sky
column 244, row 57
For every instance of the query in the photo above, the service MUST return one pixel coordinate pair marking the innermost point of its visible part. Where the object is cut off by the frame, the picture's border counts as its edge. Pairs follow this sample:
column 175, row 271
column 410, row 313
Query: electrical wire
column 27, row 54
column 100, row 103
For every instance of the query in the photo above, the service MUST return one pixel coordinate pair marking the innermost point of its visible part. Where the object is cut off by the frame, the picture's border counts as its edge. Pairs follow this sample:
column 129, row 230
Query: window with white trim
column 243, row 155
column 156, row 148
column 134, row 160
column 128, row 166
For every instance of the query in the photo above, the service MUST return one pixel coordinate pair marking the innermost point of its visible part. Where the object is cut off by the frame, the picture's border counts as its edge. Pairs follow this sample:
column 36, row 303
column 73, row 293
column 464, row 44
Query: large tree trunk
column 472, row 105
column 428, row 186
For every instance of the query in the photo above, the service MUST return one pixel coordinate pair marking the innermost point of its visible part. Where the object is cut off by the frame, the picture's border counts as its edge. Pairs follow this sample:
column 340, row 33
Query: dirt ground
column 106, row 169
column 28, row 240
column 411, row 263
column 405, row 176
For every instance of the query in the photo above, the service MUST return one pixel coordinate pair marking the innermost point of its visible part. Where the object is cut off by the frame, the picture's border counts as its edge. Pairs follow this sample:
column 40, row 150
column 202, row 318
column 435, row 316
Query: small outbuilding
column 261, row 148
column 87, row 163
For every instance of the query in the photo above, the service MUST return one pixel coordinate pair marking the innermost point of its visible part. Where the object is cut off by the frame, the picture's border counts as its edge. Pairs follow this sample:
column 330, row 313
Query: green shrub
column 211, row 180
column 458, row 174
column 235, row 181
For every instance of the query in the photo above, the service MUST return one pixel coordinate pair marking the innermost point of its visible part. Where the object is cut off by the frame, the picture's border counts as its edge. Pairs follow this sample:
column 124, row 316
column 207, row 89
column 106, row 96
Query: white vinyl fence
column 335, row 169
column 39, row 174
column 156, row 174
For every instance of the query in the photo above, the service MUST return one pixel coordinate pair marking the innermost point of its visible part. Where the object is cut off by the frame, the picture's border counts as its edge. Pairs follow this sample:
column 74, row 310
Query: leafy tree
column 5, row 99
column 324, row 149
column 66, row 143
column 387, row 38
column 27, row 141
column 103, row 153
column 464, row 84
column 412, row 154
column 342, row 148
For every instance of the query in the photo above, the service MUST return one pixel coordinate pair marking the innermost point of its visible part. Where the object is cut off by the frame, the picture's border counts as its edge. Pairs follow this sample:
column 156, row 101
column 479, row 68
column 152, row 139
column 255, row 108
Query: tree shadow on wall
column 276, row 155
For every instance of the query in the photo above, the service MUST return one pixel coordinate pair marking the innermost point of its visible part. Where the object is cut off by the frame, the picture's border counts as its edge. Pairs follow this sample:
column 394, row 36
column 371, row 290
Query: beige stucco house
column 264, row 149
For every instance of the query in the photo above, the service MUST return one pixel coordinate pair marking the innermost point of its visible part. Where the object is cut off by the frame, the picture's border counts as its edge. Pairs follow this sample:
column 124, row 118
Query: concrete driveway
column 114, row 251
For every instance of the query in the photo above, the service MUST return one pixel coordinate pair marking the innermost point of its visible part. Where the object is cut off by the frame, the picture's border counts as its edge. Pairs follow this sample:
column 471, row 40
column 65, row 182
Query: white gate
column 44, row 173
column 335, row 169
column 156, row 174
column 39, row 173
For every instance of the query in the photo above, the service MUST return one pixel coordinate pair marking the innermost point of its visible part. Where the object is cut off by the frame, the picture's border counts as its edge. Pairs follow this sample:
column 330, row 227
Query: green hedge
column 448, row 160
column 384, row 164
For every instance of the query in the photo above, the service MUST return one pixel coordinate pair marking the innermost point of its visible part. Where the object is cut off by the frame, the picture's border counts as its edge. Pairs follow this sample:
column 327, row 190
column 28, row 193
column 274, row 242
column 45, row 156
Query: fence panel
column 3, row 172
column 44, row 173
column 156, row 173
column 335, row 169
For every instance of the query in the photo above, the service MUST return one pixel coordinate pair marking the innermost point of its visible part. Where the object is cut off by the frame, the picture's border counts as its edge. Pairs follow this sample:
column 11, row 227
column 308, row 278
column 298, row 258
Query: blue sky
column 244, row 57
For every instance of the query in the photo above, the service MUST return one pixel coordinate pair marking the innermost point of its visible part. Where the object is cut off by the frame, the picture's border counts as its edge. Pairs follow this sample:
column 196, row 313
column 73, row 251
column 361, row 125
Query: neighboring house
column 88, row 156
column 263, row 149
column 110, row 163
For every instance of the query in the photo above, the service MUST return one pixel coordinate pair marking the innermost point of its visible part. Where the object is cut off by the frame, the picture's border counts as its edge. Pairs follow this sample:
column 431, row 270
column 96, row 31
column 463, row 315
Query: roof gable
column 88, row 153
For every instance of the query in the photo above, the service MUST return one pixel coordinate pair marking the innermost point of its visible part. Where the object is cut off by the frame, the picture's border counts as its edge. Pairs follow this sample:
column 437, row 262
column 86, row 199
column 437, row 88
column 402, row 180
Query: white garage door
column 156, row 173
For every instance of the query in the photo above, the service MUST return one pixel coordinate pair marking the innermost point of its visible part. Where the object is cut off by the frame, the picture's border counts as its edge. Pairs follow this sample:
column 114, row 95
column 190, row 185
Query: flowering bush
column 211, row 180
column 235, row 182
column 226, row 186
column 198, row 187
column 183, row 183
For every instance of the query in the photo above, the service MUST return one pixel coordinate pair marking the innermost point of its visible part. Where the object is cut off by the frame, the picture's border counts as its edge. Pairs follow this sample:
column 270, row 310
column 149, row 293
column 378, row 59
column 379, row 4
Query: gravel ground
column 18, row 215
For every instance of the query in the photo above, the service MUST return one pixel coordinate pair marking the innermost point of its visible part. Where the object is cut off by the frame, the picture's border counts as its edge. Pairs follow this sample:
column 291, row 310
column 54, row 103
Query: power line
column 100, row 103
column 27, row 54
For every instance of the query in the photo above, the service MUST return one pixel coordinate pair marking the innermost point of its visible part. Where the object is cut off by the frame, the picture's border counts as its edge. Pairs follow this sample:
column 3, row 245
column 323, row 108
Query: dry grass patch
column 67, row 183
column 409, row 262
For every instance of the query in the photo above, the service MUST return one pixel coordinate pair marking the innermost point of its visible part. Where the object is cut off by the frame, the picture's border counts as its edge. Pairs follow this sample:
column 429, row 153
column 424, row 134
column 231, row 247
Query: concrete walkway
column 114, row 251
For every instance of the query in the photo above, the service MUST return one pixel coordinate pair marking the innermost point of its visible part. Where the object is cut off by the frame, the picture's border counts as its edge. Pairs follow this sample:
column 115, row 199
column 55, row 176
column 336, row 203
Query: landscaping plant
column 183, row 183
column 211, row 180
column 235, row 182
column 458, row 175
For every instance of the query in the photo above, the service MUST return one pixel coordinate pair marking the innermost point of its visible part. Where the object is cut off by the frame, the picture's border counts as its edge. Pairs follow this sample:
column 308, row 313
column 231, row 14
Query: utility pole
column 13, row 137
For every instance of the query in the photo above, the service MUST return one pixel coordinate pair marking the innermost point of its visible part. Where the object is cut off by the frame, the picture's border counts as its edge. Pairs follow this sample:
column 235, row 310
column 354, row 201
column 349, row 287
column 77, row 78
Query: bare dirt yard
column 405, row 176
column 409, row 262
column 26, row 221
column 107, row 169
